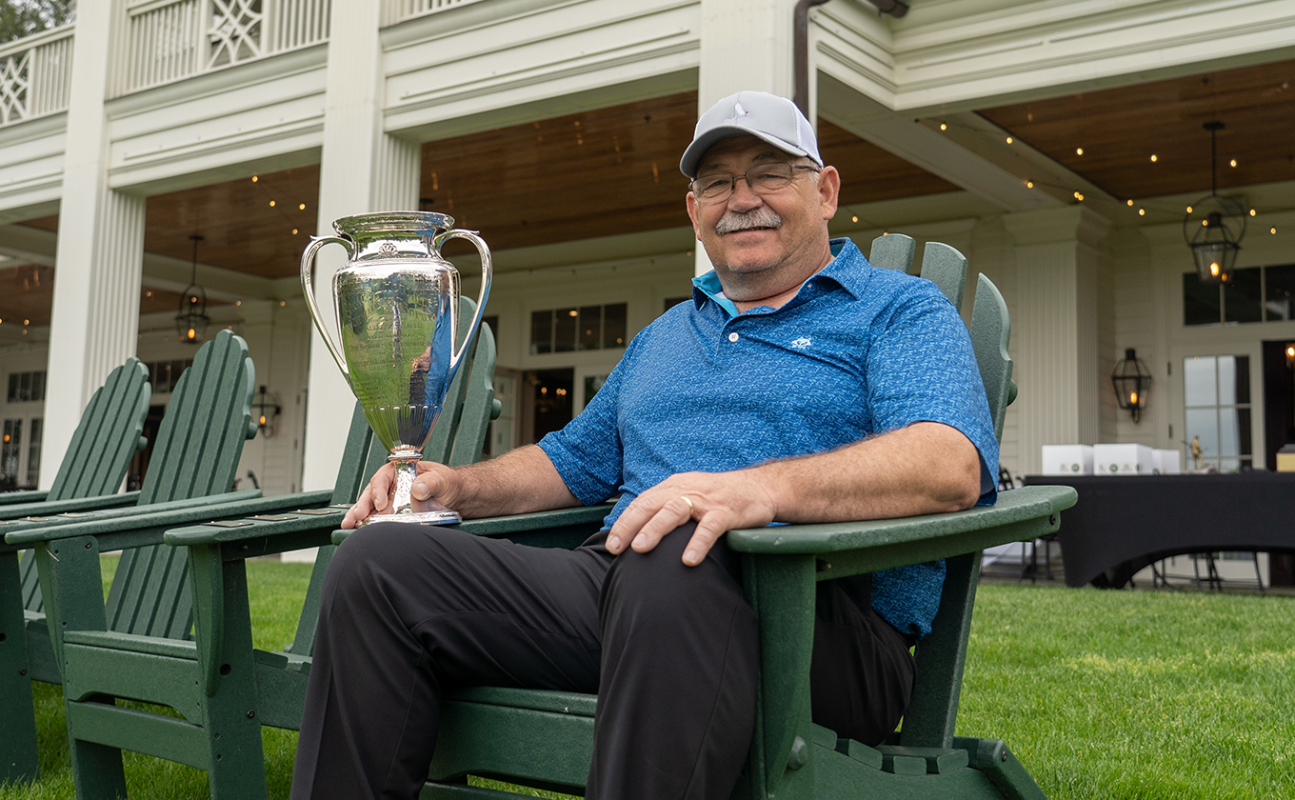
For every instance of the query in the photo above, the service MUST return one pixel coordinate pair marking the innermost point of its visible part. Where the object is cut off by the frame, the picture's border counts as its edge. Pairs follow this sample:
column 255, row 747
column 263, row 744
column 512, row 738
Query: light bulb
column 254, row 179
column 854, row 219
column 1189, row 209
column 1154, row 158
column 943, row 127
column 1130, row 203
column 1233, row 162
column 1142, row 212
column 1029, row 184
column 1009, row 140
column 1133, row 398
column 1214, row 268
column 1252, row 212
column 271, row 204
column 301, row 206
column 1079, row 151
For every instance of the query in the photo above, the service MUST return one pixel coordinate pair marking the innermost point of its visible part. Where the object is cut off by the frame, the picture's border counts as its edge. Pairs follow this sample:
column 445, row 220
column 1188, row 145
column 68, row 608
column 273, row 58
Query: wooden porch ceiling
column 1121, row 129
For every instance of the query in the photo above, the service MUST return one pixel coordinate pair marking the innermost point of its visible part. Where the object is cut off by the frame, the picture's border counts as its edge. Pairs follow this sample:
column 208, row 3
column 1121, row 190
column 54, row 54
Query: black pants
column 670, row 650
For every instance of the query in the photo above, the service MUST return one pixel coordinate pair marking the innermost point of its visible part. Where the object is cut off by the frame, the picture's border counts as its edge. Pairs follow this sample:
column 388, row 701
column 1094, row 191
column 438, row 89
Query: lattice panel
column 15, row 81
column 235, row 32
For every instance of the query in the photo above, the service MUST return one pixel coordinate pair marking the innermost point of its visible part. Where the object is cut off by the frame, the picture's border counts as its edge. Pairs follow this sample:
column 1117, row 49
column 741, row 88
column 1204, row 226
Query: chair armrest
column 241, row 530
column 26, row 496
column 135, row 518
column 1019, row 514
column 49, row 507
column 522, row 524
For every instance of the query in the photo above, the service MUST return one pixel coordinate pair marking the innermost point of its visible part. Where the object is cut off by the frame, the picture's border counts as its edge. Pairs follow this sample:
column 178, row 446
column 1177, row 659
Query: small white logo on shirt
column 801, row 343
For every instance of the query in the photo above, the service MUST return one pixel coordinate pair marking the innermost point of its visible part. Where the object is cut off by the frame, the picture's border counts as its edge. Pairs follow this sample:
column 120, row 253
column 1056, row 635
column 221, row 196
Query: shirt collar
column 848, row 269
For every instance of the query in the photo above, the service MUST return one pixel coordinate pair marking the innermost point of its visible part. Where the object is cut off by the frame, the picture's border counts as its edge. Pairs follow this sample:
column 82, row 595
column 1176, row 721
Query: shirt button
column 733, row 337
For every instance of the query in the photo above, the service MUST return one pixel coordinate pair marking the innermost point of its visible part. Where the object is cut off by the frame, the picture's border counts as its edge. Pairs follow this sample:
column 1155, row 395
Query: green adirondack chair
column 223, row 688
column 196, row 453
column 545, row 739
column 110, row 431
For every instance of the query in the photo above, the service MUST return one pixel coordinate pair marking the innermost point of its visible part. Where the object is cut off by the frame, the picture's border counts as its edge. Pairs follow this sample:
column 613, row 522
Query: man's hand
column 719, row 501
column 434, row 481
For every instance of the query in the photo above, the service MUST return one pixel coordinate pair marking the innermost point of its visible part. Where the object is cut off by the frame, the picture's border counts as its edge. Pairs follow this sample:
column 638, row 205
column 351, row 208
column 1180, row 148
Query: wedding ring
column 688, row 500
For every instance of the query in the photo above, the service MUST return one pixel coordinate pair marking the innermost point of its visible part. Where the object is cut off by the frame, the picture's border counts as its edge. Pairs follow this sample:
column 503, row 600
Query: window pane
column 1204, row 423
column 614, row 325
column 1227, row 380
column 541, row 332
column 1198, row 381
column 1281, row 292
column 1228, row 432
column 592, row 384
column 1241, row 386
column 1227, row 466
column 13, row 387
column 33, row 453
column 24, row 387
column 591, row 323
column 1201, row 305
column 493, row 321
column 38, row 386
column 1243, row 431
column 564, row 335
column 177, row 372
column 671, row 302
column 1241, row 296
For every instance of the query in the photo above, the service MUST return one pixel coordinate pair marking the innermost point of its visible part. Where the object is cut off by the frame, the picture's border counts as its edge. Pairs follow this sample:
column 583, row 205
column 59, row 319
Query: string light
column 1029, row 184
column 1142, row 212
column 271, row 204
column 1079, row 197
column 294, row 231
column 854, row 219
column 301, row 207
column 1130, row 202
column 1009, row 140
column 1252, row 212
column 943, row 127
column 1273, row 231
column 254, row 179
column 1154, row 158
column 1233, row 162
column 1079, row 151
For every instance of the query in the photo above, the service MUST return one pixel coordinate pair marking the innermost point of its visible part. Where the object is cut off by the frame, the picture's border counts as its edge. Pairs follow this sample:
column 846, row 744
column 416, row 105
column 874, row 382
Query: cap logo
column 739, row 113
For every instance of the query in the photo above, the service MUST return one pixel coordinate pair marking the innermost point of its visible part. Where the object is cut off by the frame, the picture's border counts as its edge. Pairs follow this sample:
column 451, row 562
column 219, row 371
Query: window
column 10, row 449
column 33, row 452
column 1216, row 391
column 164, row 375
column 26, row 387
column 564, row 330
column 1255, row 294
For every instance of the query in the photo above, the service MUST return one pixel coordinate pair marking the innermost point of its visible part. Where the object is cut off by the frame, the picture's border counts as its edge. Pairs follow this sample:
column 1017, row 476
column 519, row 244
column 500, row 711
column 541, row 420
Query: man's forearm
column 518, row 482
column 925, row 468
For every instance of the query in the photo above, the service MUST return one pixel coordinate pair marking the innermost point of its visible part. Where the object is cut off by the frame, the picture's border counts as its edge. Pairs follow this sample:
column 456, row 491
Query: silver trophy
column 397, row 305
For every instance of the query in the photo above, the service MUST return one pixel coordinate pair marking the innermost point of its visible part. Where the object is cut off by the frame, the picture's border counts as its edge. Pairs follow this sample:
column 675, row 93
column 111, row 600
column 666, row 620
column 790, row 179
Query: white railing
column 394, row 11
column 172, row 39
column 35, row 75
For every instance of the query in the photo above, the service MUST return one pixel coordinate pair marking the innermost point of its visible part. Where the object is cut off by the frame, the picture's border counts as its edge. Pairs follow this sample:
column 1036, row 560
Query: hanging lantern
column 192, row 320
column 1214, row 226
column 1131, row 380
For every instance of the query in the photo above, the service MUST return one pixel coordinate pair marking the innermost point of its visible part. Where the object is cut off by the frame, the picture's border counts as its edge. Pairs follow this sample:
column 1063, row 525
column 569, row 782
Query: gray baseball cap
column 774, row 119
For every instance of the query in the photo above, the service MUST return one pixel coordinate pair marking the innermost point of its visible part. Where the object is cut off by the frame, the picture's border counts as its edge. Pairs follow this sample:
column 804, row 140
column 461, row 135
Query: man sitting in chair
column 800, row 385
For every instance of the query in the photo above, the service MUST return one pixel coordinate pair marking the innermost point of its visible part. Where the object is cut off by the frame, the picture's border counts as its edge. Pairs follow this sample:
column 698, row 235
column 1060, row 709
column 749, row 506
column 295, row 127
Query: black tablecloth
column 1122, row 524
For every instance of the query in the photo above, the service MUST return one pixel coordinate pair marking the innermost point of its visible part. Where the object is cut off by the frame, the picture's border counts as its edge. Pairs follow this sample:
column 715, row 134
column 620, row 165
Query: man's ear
column 829, row 190
column 691, row 202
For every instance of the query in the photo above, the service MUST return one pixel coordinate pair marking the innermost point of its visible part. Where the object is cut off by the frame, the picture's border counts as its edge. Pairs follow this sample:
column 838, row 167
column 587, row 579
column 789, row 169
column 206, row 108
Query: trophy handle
column 307, row 265
column 487, row 274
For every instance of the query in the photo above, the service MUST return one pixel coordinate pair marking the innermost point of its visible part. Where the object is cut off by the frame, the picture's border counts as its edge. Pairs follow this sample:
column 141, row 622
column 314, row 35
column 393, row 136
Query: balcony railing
column 35, row 75
column 172, row 39
column 394, row 11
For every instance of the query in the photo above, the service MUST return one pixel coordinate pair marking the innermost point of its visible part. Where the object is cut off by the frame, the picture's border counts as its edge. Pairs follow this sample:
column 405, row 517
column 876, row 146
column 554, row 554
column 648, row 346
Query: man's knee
column 659, row 581
column 376, row 558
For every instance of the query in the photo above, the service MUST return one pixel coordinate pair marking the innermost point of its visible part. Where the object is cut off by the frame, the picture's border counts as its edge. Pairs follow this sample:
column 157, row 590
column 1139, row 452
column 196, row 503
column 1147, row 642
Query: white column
column 362, row 170
column 1056, row 328
column 745, row 45
column 95, row 317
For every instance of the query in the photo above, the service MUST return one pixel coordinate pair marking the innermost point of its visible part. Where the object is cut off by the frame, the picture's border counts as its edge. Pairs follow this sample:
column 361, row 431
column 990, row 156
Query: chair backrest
column 457, row 439
column 929, row 720
column 110, row 431
column 198, row 446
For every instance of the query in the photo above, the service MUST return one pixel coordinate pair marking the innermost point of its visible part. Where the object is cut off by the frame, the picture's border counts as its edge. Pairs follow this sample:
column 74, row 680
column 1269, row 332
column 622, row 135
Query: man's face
column 763, row 244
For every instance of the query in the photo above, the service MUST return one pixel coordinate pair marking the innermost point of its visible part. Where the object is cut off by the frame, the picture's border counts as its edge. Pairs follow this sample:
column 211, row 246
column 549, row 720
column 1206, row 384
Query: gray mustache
column 763, row 217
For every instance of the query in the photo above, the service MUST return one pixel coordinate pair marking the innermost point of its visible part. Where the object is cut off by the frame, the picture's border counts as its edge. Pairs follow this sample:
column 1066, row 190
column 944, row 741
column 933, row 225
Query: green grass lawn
column 1121, row 695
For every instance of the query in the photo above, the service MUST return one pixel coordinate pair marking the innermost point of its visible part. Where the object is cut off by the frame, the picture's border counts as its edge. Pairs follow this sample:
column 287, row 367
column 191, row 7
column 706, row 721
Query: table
column 1122, row 524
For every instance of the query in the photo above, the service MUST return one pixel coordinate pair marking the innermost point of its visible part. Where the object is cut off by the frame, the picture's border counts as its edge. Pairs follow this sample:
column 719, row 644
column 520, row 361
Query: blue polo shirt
column 858, row 351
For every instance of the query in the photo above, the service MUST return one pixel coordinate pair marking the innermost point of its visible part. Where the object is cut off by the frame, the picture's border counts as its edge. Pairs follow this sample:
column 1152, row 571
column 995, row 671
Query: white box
column 1123, row 459
column 1067, row 459
column 1170, row 462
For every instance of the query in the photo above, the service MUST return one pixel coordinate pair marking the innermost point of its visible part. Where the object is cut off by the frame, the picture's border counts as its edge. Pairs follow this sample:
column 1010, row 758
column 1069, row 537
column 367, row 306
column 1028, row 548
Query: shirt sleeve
column 922, row 368
column 587, row 452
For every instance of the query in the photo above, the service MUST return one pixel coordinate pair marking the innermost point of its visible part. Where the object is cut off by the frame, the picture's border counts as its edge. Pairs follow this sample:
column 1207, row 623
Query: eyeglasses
column 762, row 180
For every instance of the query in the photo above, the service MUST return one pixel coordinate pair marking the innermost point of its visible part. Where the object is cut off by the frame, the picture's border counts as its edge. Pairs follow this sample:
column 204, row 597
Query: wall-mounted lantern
column 264, row 409
column 1131, row 380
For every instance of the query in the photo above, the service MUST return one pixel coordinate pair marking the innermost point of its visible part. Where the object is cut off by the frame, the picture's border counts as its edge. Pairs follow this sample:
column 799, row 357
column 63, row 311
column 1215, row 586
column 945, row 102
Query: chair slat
column 107, row 435
column 31, row 599
column 893, row 251
column 478, row 405
column 946, row 268
column 991, row 329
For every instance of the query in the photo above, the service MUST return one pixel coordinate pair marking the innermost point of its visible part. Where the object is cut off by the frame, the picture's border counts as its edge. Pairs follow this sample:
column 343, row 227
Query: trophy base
column 444, row 517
